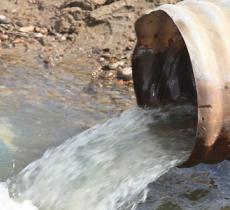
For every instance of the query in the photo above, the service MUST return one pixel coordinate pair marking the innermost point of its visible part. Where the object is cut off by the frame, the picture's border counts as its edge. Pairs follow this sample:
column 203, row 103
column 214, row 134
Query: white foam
column 7, row 203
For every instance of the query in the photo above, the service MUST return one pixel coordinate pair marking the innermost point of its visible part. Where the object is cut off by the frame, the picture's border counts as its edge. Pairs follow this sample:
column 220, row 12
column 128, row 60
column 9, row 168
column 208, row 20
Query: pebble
column 113, row 66
column 38, row 35
column 41, row 30
column 3, row 37
column 99, row 2
column 4, row 19
column 27, row 29
column 102, row 59
column 125, row 73
column 107, row 74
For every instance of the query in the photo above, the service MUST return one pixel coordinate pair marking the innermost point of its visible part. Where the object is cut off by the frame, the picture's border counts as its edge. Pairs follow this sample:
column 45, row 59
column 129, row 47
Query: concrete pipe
column 183, row 53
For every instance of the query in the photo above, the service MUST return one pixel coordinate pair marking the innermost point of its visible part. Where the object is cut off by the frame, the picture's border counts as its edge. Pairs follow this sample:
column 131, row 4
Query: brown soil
column 99, row 33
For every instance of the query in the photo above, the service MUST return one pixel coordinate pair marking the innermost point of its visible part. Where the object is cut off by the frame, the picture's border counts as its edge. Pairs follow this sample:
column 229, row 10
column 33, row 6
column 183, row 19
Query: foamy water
column 7, row 203
column 109, row 166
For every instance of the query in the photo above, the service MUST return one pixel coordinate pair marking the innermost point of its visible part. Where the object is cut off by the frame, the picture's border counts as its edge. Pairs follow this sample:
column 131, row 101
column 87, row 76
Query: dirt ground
column 98, row 32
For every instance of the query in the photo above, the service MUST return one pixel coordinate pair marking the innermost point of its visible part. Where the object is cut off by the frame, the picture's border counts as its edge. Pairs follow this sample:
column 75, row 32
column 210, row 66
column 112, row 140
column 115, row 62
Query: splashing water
column 7, row 203
column 109, row 166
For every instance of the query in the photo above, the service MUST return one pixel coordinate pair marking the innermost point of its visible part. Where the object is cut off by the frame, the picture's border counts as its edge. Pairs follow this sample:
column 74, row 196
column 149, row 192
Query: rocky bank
column 97, row 33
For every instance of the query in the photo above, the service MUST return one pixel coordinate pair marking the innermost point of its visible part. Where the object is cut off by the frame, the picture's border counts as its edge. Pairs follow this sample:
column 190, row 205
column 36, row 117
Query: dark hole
column 161, row 78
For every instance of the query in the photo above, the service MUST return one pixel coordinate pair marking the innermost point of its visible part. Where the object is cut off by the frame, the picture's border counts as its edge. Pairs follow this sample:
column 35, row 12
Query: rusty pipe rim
column 195, row 25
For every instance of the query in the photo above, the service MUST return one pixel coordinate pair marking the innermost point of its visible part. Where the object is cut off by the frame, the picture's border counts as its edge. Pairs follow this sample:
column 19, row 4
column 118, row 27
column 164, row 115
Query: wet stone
column 4, row 19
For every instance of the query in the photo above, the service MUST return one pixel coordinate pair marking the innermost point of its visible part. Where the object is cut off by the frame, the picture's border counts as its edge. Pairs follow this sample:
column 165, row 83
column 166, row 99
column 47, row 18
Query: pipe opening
column 162, row 69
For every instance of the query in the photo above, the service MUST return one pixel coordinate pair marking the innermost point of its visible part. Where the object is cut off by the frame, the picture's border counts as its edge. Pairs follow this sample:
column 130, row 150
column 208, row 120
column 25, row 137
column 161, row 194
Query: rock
column 4, row 19
column 125, row 73
column 83, row 4
column 13, row 11
column 113, row 66
column 19, row 23
column 99, row 2
column 38, row 35
column 27, row 29
column 3, row 37
column 41, row 30
column 104, row 12
column 19, row 41
column 107, row 75
column 62, row 38
column 102, row 59
column 64, row 26
column 71, row 37
column 88, row 5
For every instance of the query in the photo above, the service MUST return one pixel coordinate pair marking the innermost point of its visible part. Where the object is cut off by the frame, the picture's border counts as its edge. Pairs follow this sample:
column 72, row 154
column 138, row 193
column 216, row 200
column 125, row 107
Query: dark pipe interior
column 164, row 77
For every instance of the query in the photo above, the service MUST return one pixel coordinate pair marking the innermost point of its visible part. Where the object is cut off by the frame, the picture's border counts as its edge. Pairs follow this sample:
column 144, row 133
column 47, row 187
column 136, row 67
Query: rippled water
column 109, row 166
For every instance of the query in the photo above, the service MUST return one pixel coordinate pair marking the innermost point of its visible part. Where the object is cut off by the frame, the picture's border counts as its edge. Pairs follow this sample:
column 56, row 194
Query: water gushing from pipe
column 109, row 166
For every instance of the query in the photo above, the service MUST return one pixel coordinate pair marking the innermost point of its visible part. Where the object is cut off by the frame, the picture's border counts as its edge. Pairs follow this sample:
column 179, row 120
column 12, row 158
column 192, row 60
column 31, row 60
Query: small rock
column 63, row 38
column 132, row 37
column 13, row 11
column 116, row 96
column 41, row 30
column 19, row 41
column 70, row 37
column 125, row 73
column 113, row 66
column 4, row 20
column 107, row 75
column 38, row 35
column 19, row 23
column 102, row 59
column 99, row 2
column 120, row 82
column 64, row 26
column 121, row 63
column 27, row 29
column 3, row 37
